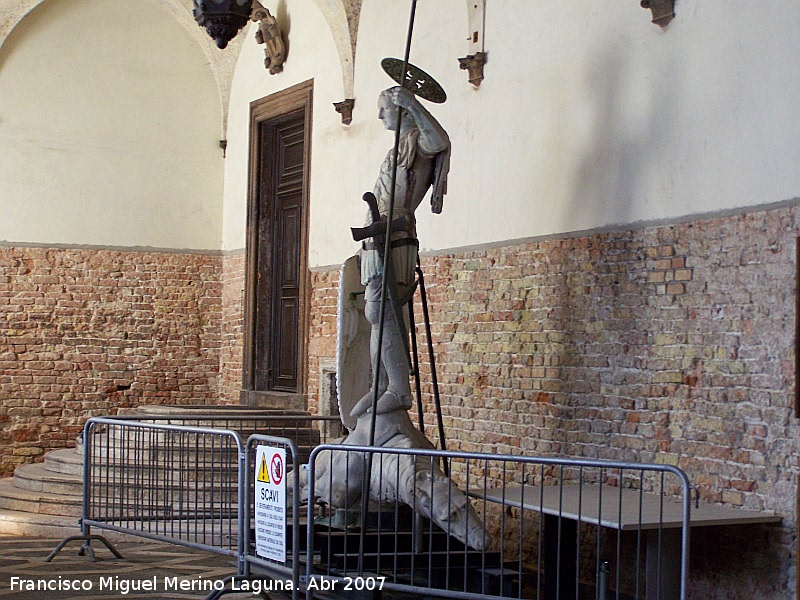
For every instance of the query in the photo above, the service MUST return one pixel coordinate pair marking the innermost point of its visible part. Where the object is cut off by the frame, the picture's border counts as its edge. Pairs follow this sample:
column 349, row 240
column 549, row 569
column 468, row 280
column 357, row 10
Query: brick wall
column 83, row 332
column 670, row 344
column 232, row 327
column 322, row 331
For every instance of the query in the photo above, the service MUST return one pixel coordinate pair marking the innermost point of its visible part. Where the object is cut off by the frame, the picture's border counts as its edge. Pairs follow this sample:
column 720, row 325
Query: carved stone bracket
column 269, row 34
column 473, row 63
column 345, row 108
column 663, row 11
column 476, row 51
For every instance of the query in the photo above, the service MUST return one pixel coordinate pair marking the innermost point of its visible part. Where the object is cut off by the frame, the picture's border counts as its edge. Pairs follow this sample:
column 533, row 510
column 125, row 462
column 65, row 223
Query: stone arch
column 122, row 120
column 342, row 18
column 221, row 63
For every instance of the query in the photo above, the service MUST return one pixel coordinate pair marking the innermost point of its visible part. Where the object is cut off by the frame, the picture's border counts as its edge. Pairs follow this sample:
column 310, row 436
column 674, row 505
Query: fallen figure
column 416, row 481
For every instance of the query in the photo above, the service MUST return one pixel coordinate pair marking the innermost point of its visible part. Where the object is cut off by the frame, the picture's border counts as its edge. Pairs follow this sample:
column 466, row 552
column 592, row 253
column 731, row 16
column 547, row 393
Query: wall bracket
column 473, row 63
column 663, row 11
column 345, row 108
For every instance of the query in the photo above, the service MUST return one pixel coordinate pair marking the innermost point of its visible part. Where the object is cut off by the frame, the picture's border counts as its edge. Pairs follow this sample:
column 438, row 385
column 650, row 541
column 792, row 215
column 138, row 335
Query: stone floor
column 23, row 558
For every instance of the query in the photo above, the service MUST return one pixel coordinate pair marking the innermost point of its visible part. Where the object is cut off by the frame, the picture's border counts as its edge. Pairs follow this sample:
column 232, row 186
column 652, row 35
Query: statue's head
column 387, row 111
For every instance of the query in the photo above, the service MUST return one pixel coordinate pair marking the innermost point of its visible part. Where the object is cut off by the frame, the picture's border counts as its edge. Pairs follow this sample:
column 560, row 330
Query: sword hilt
column 372, row 202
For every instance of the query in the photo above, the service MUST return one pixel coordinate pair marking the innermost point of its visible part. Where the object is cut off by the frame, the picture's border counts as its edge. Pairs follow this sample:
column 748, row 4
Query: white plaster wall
column 313, row 55
column 110, row 121
column 589, row 116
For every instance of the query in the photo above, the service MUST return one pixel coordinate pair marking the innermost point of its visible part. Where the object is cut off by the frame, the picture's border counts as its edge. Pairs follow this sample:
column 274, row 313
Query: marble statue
column 422, row 165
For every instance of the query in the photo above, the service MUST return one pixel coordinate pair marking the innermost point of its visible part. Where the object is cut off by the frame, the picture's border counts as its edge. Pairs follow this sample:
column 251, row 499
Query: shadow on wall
column 285, row 23
column 633, row 107
column 625, row 150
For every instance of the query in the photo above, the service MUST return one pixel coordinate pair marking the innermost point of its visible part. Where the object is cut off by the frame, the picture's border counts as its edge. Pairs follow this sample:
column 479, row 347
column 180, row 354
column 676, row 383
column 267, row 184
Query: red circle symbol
column 276, row 469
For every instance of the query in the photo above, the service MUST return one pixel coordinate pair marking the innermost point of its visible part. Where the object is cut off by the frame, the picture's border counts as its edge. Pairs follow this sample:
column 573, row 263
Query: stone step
column 66, row 460
column 24, row 500
column 155, row 458
column 20, row 499
column 37, row 478
column 55, row 527
column 69, row 461
column 119, row 442
column 45, row 499
column 19, row 523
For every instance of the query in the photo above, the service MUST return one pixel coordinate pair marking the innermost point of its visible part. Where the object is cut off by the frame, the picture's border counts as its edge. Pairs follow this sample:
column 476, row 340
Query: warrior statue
column 423, row 158
column 422, row 162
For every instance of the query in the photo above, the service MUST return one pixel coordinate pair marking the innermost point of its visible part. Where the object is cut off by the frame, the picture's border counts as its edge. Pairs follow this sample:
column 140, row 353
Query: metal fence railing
column 496, row 526
column 548, row 528
column 175, row 483
column 255, row 563
column 180, row 478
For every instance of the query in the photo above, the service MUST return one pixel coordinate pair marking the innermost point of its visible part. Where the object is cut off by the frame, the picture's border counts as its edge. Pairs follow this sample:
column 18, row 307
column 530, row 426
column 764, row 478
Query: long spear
column 382, row 307
column 387, row 254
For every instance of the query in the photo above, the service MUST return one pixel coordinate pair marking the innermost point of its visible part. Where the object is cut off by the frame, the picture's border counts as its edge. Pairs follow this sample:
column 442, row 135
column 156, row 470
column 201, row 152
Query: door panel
column 277, row 290
column 277, row 276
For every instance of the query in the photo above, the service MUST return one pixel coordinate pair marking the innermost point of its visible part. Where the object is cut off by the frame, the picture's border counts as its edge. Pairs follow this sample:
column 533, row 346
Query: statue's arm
column 432, row 136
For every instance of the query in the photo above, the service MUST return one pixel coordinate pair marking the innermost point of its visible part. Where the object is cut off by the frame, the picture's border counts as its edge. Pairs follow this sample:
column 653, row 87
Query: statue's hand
column 402, row 97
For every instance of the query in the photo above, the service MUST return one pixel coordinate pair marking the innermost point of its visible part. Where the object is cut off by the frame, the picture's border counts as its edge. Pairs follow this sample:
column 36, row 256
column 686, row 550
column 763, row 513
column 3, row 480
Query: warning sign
column 270, row 499
column 263, row 472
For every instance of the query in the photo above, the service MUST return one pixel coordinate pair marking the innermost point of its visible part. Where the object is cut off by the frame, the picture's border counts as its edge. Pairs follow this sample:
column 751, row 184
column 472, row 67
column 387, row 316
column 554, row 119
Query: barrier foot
column 219, row 593
column 87, row 546
column 230, row 588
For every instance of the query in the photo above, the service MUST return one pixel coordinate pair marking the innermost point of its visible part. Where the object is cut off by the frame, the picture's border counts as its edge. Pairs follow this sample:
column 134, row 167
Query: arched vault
column 341, row 16
column 221, row 64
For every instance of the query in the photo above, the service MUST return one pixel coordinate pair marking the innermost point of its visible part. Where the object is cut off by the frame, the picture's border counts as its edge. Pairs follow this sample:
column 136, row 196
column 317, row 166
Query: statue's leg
column 371, row 313
column 436, row 496
column 394, row 390
column 340, row 484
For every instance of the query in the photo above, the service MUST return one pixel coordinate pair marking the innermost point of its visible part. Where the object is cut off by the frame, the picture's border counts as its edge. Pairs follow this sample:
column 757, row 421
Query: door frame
column 295, row 98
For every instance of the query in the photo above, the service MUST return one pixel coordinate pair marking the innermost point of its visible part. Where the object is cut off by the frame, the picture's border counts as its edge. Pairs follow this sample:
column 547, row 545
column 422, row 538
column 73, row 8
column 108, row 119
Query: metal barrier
column 305, row 430
column 288, row 570
column 256, row 567
column 174, row 483
column 168, row 477
column 545, row 528
column 552, row 529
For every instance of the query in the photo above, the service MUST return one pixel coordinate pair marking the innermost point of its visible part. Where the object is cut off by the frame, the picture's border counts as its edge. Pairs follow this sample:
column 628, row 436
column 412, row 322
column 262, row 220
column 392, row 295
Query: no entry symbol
column 276, row 469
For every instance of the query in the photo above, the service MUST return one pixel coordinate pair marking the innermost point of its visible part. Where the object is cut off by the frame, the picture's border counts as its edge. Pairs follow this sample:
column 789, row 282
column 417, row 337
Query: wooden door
column 277, row 277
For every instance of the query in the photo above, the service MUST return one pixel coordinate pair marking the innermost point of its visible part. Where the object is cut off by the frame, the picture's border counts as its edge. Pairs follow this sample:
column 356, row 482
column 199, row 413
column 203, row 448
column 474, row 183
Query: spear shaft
column 388, row 236
column 387, row 255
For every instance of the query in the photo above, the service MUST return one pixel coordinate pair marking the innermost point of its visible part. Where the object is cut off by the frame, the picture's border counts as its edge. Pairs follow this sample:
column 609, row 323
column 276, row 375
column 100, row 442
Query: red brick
column 76, row 329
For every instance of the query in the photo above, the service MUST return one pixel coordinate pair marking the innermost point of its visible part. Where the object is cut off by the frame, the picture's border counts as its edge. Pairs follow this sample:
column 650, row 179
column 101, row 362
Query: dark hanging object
column 222, row 18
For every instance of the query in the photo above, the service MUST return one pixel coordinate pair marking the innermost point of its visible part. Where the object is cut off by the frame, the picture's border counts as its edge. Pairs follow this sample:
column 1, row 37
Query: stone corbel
column 345, row 108
column 476, row 52
column 663, row 11
column 269, row 34
column 473, row 63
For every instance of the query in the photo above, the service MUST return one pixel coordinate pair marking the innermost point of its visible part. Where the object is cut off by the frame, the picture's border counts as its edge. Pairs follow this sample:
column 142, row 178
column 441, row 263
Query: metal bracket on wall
column 663, row 11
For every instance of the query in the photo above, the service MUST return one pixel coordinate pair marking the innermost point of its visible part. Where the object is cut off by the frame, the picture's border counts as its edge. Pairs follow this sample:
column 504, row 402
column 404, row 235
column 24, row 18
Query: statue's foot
column 362, row 405
column 392, row 401
column 388, row 402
